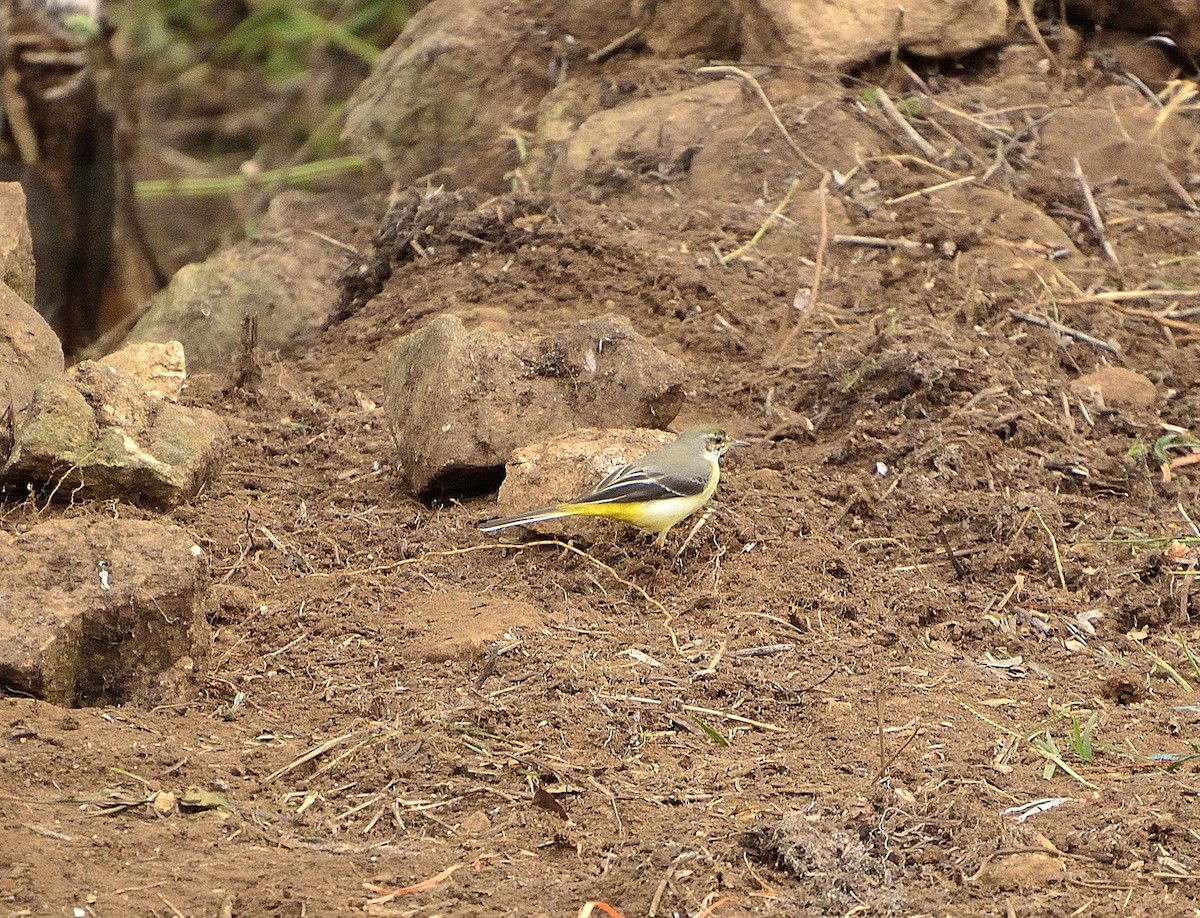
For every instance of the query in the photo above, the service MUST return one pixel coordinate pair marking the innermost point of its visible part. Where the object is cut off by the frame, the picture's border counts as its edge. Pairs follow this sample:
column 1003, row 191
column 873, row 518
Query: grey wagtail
column 654, row 493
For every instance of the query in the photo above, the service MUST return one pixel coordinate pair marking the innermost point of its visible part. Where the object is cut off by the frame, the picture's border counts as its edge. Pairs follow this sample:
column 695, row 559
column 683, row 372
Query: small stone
column 1116, row 388
column 1027, row 870
column 475, row 823
column 159, row 369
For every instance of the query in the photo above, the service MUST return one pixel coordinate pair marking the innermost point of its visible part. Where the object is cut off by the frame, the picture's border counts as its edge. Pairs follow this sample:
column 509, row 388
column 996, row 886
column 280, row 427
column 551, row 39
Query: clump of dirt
column 941, row 612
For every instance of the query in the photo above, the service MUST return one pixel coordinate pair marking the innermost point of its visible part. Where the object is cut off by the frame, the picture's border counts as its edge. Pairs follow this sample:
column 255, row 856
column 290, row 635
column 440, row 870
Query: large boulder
column 459, row 402
column 447, row 94
column 288, row 279
column 100, row 612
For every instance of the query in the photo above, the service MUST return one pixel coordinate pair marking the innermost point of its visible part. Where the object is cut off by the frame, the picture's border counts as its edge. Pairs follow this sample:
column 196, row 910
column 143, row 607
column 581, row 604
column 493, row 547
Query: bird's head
column 712, row 439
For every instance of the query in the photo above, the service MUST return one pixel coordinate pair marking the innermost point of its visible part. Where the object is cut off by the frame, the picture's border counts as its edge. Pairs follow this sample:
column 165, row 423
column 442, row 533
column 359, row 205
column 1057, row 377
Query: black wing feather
column 630, row 485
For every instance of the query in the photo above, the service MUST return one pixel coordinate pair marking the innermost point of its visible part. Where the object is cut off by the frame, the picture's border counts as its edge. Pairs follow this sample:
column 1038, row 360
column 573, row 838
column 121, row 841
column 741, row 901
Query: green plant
column 1081, row 738
column 279, row 35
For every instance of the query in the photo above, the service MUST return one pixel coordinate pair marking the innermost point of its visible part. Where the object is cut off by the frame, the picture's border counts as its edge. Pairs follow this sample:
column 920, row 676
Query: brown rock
column 16, row 243
column 29, row 350
column 1027, row 870
column 840, row 33
column 559, row 469
column 659, row 129
column 1116, row 388
column 98, row 435
column 94, row 611
column 159, row 369
column 459, row 402
column 288, row 279
column 444, row 97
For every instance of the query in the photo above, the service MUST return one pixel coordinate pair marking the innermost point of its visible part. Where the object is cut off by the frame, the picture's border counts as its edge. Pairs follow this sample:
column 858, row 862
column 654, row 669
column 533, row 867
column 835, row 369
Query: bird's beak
column 740, row 443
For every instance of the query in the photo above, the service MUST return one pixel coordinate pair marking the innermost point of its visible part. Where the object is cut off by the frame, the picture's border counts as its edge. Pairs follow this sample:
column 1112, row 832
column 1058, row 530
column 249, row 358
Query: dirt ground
column 932, row 654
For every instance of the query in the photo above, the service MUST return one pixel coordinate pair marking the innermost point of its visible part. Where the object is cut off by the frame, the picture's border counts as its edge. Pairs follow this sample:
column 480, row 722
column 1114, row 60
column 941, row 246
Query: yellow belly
column 656, row 516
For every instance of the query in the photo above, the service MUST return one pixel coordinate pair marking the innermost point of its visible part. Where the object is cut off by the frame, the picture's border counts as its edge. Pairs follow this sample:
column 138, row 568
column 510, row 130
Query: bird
column 653, row 493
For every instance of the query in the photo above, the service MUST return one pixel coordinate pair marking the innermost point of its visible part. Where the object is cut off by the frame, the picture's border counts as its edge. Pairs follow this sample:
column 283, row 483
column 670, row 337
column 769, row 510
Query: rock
column 93, row 611
column 16, row 242
column 681, row 28
column 460, row 626
column 1116, row 388
column 551, row 471
column 29, row 351
column 288, row 279
column 841, row 33
column 659, row 129
column 1028, row 870
column 446, row 95
column 458, row 403
column 159, row 369
column 98, row 435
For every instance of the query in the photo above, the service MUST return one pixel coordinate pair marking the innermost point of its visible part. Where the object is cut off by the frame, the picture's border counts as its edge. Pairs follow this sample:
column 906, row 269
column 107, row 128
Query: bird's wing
column 634, row 485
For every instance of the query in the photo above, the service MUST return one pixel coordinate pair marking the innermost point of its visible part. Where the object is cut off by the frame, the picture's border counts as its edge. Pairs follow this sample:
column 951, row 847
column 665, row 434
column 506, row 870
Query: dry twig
column 753, row 83
column 818, row 263
column 1094, row 213
column 1042, row 322
column 889, row 108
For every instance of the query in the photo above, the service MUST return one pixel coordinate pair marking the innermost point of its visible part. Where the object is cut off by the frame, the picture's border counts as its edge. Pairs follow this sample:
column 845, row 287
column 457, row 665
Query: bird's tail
column 524, row 519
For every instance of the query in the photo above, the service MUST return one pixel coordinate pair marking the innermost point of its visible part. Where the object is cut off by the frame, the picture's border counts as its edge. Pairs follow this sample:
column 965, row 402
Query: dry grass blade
column 1093, row 211
column 818, row 264
column 923, row 146
column 1175, row 97
column 384, row 895
column 313, row 753
column 932, row 189
column 766, row 224
column 1058, row 564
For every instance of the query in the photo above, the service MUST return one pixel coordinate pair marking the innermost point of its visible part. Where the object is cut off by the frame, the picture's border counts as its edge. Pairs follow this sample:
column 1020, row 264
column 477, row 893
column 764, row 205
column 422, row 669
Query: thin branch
column 889, row 108
column 749, row 79
column 1042, row 322
column 1094, row 213
column 818, row 263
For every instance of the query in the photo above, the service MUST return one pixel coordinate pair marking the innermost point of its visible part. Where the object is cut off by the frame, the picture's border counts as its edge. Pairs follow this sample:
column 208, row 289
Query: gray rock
column 99, row 435
column 97, row 612
column 288, row 279
column 29, row 352
column 458, row 403
column 446, row 94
